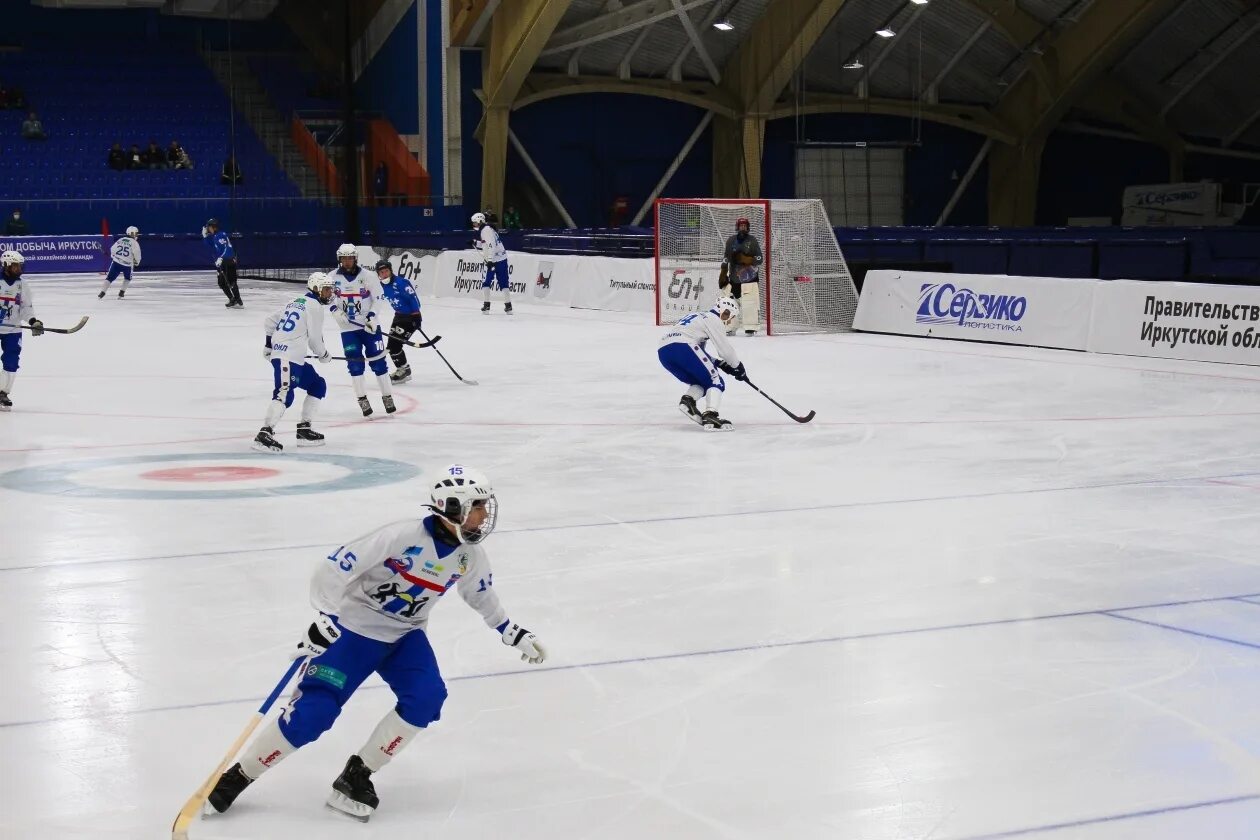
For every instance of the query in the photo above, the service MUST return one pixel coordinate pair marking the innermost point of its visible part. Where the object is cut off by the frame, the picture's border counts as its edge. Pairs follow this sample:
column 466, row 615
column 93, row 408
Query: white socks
column 695, row 392
column 360, row 390
column 712, row 399
column 383, row 383
column 6, row 381
column 126, row 283
column 309, row 406
column 104, row 286
column 387, row 740
column 486, row 291
column 267, row 750
column 275, row 410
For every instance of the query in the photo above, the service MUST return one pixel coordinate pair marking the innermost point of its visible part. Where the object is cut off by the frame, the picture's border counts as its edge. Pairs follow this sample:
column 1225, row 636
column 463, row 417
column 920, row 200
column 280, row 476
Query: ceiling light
column 885, row 32
column 724, row 25
column 919, row 2
column 855, row 64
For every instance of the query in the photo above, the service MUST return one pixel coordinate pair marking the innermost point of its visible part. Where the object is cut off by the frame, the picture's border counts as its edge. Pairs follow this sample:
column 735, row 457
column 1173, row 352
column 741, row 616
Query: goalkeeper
column 740, row 271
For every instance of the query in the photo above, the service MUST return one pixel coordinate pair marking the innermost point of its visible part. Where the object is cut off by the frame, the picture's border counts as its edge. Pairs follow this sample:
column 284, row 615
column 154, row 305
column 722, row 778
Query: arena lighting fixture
column 855, row 64
column 885, row 32
column 919, row 2
column 724, row 25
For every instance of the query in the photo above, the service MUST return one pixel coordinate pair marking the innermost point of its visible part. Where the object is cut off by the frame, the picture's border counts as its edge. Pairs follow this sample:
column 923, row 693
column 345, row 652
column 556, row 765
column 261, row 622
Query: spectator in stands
column 117, row 159
column 33, row 129
column 16, row 226
column 380, row 183
column 176, row 157
column 492, row 218
column 135, row 158
column 154, row 158
column 511, row 218
column 231, row 173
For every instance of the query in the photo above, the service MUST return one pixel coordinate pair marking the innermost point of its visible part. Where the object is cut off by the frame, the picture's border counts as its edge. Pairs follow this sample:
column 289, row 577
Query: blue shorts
column 407, row 666
column 290, row 376
column 118, row 268
column 10, row 350
column 496, row 273
column 690, row 365
column 362, row 346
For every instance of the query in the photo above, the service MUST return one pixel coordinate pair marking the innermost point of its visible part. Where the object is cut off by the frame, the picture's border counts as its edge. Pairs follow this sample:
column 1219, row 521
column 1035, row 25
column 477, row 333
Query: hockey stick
column 391, row 334
column 779, row 405
column 330, row 358
column 179, row 829
column 433, row 341
column 65, row 331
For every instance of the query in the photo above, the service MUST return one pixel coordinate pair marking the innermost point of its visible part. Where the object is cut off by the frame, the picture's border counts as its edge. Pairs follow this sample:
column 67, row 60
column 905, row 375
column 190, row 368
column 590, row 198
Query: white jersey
column 16, row 305
column 126, row 251
column 357, row 296
column 297, row 328
column 490, row 245
column 697, row 329
column 384, row 584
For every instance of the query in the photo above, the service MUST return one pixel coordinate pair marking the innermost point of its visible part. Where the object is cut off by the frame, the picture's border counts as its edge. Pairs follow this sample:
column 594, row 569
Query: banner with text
column 1177, row 321
column 1037, row 311
column 460, row 274
column 616, row 283
column 418, row 267
column 47, row 254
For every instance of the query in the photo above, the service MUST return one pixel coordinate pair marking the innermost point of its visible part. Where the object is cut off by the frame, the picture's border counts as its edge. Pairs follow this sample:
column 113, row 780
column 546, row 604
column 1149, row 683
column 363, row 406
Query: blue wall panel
column 388, row 84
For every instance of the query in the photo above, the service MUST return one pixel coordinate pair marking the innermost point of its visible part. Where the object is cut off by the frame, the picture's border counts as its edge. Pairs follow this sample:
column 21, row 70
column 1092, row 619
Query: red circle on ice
column 210, row 474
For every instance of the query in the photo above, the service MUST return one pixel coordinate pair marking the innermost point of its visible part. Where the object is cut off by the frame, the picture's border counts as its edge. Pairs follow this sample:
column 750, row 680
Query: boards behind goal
column 804, row 282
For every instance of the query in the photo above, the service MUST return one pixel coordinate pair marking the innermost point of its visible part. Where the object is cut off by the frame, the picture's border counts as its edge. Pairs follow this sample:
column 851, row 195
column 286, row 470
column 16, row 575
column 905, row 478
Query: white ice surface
column 934, row 612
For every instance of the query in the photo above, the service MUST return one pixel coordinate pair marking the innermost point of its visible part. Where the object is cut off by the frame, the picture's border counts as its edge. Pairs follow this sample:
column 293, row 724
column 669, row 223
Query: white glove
column 319, row 637
column 204, row 232
column 218, row 263
column 371, row 325
column 514, row 635
column 266, row 352
column 324, row 358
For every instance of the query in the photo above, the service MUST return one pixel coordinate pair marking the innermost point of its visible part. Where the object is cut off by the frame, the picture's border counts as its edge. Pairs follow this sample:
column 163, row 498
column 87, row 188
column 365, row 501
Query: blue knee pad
column 379, row 366
column 10, row 351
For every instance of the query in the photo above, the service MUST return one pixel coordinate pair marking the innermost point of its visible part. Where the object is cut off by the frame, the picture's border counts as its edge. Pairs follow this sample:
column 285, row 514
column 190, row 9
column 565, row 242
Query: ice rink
column 989, row 592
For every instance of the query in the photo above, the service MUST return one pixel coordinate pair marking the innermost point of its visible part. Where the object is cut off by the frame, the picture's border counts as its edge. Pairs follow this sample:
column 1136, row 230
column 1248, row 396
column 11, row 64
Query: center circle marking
column 209, row 474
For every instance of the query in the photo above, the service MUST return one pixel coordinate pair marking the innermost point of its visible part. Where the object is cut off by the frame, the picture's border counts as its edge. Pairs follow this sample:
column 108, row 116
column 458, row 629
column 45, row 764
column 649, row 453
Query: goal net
column 803, row 281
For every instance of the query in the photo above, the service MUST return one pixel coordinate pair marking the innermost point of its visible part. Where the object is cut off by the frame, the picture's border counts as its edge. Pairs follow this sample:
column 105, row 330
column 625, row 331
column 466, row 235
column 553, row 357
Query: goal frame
column 767, row 256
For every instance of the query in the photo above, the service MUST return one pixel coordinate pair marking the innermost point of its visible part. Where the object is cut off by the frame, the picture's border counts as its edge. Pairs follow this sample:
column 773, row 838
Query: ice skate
column 401, row 375
column 5, row 403
column 265, row 442
column 485, row 308
column 306, row 436
column 122, row 293
column 388, row 402
column 101, row 296
column 507, row 308
column 353, row 793
column 365, row 406
column 226, row 790
column 713, row 423
column 687, row 405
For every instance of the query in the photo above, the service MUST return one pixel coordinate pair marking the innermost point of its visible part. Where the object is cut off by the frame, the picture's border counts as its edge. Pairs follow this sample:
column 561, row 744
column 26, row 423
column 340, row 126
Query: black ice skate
column 388, row 402
column 353, row 793
column 713, row 423
column 403, row 374
column 485, row 307
column 100, row 296
column 507, row 308
column 122, row 293
column 228, row 787
column 265, row 442
column 687, row 405
column 306, row 436
column 231, row 304
column 5, row 402
column 365, row 406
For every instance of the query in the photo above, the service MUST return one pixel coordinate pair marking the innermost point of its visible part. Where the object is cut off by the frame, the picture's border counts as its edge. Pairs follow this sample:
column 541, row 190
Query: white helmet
column 347, row 250
column 319, row 280
column 726, row 305
column 478, row 219
column 9, row 258
column 456, row 493
column 133, row 231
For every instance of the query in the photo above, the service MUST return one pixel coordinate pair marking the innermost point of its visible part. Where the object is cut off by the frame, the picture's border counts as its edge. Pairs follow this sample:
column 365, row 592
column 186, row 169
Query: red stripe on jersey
column 427, row 584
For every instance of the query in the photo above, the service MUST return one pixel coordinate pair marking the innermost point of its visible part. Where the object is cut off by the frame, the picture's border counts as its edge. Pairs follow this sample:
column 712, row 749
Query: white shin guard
column 6, row 381
column 713, row 399
column 389, row 738
column 267, row 750
column 310, row 405
column 360, row 390
column 275, row 410
column 695, row 392
column 383, row 383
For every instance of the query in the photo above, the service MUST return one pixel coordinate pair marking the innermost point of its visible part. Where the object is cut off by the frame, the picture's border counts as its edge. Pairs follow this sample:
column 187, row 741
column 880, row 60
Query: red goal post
column 804, row 284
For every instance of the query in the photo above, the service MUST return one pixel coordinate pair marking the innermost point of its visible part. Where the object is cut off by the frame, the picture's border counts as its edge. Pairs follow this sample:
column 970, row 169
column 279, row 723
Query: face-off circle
column 217, row 475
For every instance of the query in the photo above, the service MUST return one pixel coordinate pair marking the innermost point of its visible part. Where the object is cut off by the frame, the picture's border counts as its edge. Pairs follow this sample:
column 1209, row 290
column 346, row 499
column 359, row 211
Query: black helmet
column 383, row 264
column 212, row 223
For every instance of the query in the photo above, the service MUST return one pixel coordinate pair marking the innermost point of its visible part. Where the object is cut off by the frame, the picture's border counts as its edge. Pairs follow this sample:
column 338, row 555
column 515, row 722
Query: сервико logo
column 945, row 303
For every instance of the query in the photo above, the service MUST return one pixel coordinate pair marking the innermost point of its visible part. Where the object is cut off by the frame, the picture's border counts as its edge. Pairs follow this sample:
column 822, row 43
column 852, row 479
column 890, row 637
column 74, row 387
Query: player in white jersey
column 494, row 255
column 374, row 596
column 684, row 352
column 291, row 332
column 124, row 255
column 358, row 294
column 16, row 305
